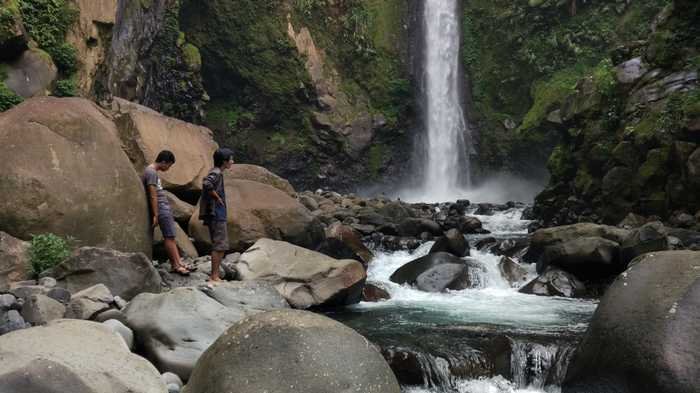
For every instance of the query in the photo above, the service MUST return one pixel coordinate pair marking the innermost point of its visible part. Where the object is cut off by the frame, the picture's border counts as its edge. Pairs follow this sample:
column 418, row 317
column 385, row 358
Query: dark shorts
column 218, row 231
column 166, row 222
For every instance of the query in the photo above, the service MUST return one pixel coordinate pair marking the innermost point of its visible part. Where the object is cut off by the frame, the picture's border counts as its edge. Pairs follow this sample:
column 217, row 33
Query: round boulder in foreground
column 644, row 335
column 290, row 351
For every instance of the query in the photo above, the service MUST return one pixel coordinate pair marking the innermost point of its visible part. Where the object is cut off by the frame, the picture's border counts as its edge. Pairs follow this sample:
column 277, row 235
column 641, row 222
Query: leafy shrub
column 8, row 98
column 46, row 251
column 65, row 88
column 65, row 57
column 47, row 20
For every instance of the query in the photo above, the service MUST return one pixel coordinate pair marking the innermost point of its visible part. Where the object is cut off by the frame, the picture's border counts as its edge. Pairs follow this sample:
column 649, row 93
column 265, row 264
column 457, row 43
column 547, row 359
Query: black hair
column 222, row 155
column 165, row 157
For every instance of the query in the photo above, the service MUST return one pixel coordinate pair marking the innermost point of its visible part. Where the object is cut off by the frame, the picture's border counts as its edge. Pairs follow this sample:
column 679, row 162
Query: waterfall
column 447, row 167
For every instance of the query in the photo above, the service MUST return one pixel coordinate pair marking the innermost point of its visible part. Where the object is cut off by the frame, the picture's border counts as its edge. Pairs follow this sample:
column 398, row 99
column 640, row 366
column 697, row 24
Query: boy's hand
column 154, row 222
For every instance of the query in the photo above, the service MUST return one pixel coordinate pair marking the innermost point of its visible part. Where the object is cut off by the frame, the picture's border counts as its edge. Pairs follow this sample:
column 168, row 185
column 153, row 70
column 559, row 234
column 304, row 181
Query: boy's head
column 223, row 157
column 165, row 160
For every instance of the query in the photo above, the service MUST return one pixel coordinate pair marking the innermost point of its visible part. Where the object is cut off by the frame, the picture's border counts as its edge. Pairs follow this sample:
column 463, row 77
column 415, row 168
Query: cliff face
column 630, row 130
column 318, row 91
column 523, row 57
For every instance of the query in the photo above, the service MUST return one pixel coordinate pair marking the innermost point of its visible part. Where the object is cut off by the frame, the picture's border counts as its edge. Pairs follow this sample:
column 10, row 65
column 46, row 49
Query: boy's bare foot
column 214, row 280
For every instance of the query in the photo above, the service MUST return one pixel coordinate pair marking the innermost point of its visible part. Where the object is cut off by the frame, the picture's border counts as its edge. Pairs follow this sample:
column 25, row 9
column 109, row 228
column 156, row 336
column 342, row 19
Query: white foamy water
column 493, row 303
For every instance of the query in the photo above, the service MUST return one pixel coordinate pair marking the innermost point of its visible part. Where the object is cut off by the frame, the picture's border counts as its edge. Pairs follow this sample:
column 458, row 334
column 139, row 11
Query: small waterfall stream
column 488, row 339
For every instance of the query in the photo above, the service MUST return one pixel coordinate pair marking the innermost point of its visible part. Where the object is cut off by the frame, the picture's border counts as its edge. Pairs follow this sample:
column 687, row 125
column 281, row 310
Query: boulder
column 41, row 309
column 409, row 272
column 73, row 356
column 256, row 211
column 176, row 327
column 11, row 320
column 183, row 242
column 465, row 224
column 442, row 277
column 122, row 330
column 344, row 242
column 89, row 302
column 555, row 282
column 550, row 236
column 145, row 132
column 305, row 278
column 261, row 175
column 63, row 171
column 585, row 257
column 642, row 338
column 32, row 74
column 301, row 352
column 647, row 238
column 14, row 260
column 631, row 71
column 415, row 226
column 125, row 274
column 374, row 293
column 182, row 211
column 453, row 242
column 512, row 271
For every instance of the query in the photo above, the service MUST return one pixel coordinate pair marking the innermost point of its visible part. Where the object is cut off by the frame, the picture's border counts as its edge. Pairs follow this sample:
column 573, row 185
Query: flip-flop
column 182, row 271
column 191, row 268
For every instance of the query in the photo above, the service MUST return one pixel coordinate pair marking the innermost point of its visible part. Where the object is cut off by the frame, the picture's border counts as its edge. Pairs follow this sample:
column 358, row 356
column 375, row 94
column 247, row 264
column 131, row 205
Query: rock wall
column 630, row 130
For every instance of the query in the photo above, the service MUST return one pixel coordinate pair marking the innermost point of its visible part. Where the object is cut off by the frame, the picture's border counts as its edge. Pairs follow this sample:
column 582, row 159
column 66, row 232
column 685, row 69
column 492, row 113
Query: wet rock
column 642, row 328
column 408, row 273
column 512, row 271
column 304, row 277
column 40, row 309
column 374, row 293
column 486, row 243
column 466, row 225
column 555, row 282
column 650, row 237
column 585, row 257
column 125, row 274
column 512, row 247
column 549, row 236
column 414, row 226
column 444, row 276
column 453, row 242
column 279, row 339
column 73, row 356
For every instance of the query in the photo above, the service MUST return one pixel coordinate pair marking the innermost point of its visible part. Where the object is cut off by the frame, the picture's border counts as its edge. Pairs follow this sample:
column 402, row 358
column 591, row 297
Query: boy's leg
column 167, row 228
column 216, row 257
column 173, row 253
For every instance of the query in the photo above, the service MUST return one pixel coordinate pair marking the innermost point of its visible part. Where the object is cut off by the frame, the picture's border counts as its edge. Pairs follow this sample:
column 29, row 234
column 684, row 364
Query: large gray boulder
column 649, row 237
column 125, row 274
column 585, row 257
column 550, row 236
column 14, row 260
column 63, row 171
column 442, row 277
column 305, row 278
column 408, row 273
column 176, row 327
column 290, row 351
column 643, row 337
column 73, row 356
column 344, row 242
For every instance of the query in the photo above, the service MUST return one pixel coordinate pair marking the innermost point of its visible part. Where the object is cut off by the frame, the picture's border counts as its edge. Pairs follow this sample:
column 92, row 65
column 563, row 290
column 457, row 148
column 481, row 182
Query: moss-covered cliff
column 316, row 90
column 630, row 129
column 524, row 57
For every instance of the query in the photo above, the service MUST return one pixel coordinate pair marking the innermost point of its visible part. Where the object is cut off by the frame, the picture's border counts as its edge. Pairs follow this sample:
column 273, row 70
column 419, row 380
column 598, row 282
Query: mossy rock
column 561, row 163
column 655, row 169
column 626, row 154
column 192, row 57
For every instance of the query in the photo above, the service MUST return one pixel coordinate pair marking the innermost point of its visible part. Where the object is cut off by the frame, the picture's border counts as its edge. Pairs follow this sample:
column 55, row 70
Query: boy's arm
column 153, row 200
column 208, row 184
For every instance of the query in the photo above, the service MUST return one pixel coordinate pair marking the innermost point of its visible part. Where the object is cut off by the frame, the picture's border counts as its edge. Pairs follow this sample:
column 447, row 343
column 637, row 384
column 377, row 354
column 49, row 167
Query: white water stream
column 495, row 304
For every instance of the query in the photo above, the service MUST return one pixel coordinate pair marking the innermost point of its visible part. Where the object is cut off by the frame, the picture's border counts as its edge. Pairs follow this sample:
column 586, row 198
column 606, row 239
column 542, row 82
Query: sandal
column 181, row 270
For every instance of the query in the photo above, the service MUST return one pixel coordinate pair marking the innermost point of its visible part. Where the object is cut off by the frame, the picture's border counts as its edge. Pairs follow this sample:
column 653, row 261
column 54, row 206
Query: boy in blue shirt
column 213, row 209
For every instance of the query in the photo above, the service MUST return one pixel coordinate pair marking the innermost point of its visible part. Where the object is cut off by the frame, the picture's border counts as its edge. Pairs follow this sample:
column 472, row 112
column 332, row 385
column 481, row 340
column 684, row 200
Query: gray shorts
column 218, row 231
column 166, row 222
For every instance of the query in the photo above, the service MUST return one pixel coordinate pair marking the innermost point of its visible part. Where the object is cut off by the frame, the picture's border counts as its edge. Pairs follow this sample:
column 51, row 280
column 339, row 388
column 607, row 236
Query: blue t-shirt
column 220, row 209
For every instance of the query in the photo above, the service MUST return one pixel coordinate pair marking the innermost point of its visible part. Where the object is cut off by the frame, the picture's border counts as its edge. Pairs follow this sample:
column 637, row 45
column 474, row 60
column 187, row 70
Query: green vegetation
column 65, row 58
column 8, row 98
column 47, row 250
column 9, row 13
column 65, row 88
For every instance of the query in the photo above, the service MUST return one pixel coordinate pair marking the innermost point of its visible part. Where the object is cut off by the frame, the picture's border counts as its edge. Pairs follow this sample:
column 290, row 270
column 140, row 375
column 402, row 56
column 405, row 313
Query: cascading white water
column 447, row 171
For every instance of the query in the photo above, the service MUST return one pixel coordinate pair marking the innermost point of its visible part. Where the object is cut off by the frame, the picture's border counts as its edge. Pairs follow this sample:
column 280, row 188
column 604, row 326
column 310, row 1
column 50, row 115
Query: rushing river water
column 490, row 339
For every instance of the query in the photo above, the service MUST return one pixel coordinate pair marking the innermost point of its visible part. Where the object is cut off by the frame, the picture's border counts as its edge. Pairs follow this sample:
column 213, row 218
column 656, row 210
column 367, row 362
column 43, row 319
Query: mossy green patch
column 8, row 98
column 192, row 56
column 375, row 159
